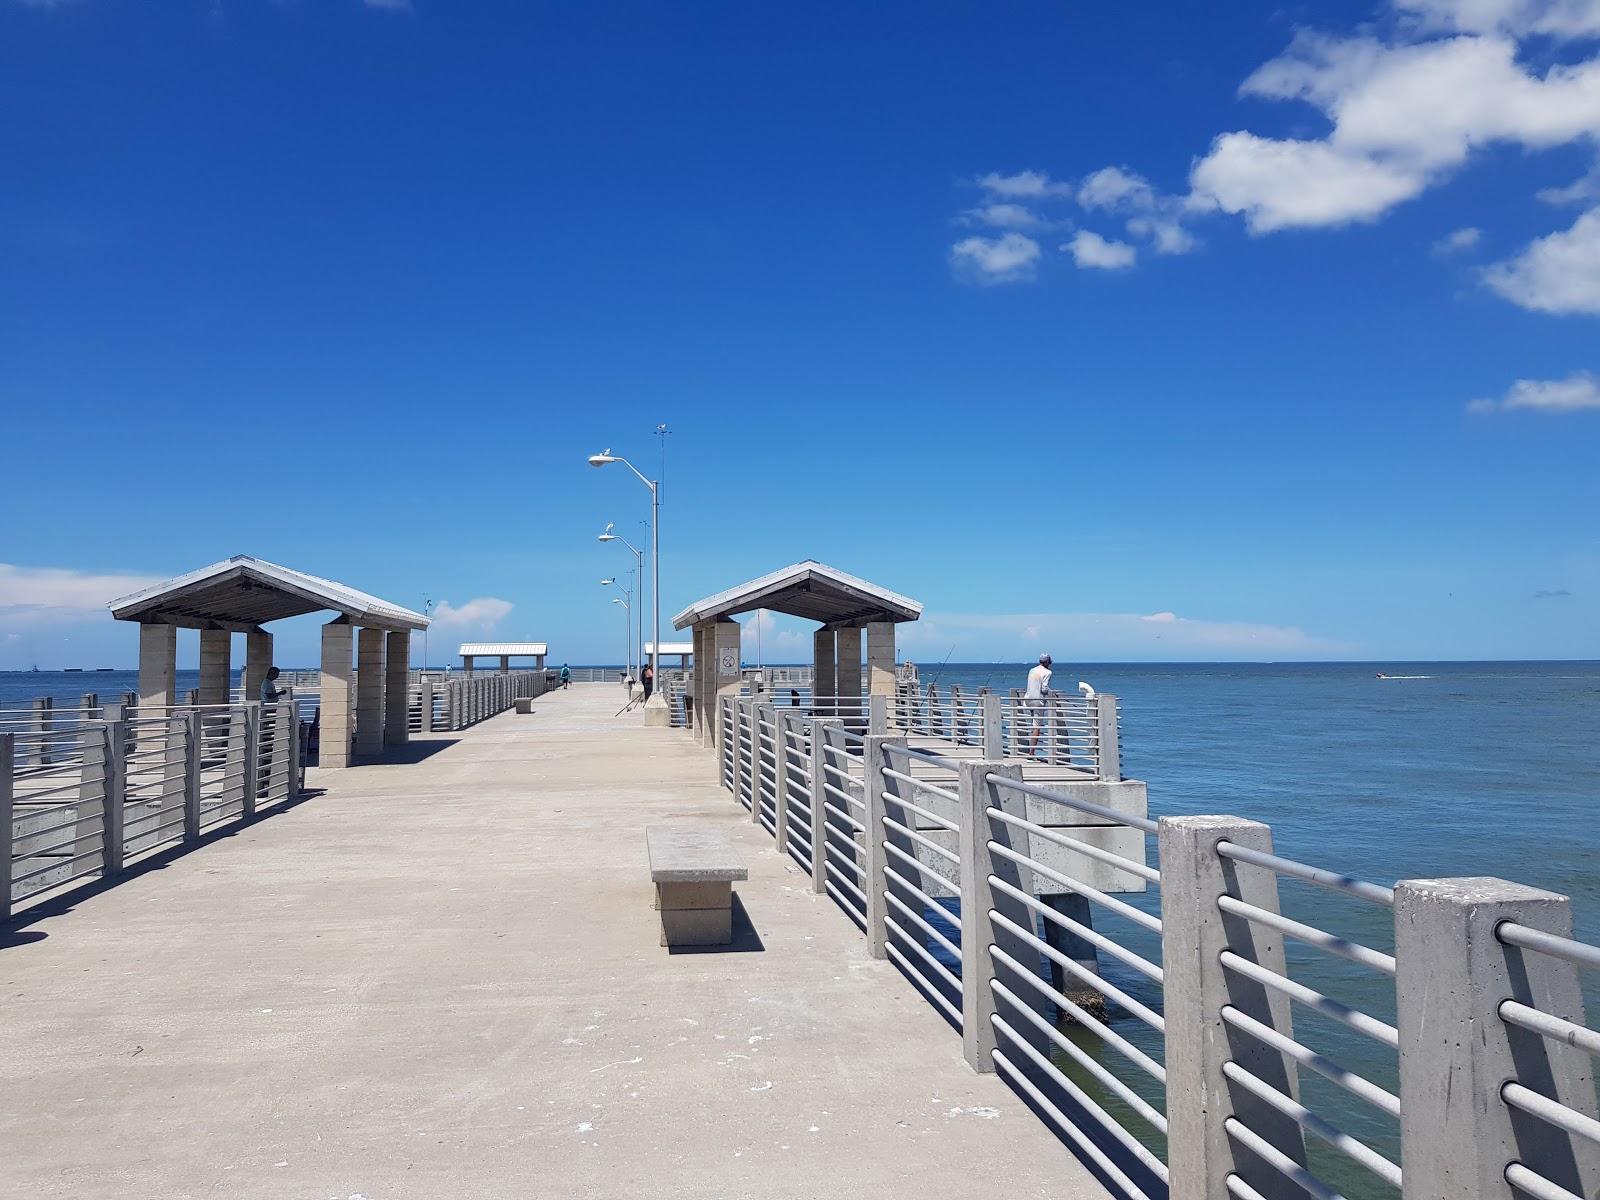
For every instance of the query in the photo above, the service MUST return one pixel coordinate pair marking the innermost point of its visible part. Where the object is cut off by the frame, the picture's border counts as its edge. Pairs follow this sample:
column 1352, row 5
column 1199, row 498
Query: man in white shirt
column 1033, row 700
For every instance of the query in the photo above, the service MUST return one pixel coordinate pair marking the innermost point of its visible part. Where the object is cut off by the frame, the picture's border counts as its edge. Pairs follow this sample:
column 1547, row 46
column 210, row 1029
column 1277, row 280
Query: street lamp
column 655, row 708
column 627, row 622
column 627, row 626
column 638, row 574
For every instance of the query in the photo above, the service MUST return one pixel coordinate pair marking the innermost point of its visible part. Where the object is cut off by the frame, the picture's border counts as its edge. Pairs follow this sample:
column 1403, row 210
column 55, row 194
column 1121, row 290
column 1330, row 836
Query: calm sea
column 1454, row 769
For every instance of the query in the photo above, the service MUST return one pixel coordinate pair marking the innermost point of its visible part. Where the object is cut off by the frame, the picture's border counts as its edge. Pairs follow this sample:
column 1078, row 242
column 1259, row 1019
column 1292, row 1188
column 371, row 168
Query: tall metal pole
column 655, row 582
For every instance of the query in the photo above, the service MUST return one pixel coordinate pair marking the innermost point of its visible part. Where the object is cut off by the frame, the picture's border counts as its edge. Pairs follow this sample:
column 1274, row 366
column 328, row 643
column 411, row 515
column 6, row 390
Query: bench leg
column 695, row 914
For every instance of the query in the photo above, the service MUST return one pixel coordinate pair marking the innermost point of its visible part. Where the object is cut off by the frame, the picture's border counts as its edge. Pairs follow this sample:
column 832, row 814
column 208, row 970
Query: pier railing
column 1342, row 1039
column 83, row 796
column 436, row 705
column 1077, row 733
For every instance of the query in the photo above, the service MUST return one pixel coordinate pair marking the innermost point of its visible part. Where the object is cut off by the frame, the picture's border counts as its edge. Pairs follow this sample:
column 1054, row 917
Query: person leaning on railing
column 269, row 690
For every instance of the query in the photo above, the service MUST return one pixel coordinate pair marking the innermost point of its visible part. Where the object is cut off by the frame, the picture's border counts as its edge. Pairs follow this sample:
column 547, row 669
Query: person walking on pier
column 648, row 677
column 1033, row 701
column 566, row 676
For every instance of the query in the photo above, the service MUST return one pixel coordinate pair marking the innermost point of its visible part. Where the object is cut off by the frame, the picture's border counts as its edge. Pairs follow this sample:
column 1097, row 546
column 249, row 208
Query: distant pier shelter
column 240, row 595
column 505, row 652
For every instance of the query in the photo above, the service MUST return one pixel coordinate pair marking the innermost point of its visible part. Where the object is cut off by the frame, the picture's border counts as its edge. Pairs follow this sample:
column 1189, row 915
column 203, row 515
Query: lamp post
column 655, row 708
column 638, row 575
column 427, row 611
column 627, row 622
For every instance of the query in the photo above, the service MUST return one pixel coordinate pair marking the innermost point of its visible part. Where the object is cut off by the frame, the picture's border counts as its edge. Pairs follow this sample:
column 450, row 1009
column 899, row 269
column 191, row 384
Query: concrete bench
column 693, row 870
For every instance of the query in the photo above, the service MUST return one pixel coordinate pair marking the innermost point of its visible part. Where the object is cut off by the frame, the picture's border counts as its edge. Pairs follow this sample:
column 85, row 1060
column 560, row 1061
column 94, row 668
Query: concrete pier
column 465, row 998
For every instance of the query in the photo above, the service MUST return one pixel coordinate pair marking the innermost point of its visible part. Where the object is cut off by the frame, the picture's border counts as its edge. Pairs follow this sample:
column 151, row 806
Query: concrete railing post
column 979, row 898
column 821, row 821
column 8, row 773
column 874, row 882
column 878, row 714
column 1108, row 754
column 1194, row 933
column 114, row 814
column 427, row 706
column 43, row 723
column 1457, row 1133
column 994, row 732
column 191, row 742
column 760, row 717
column 780, row 780
column 252, row 758
column 94, row 773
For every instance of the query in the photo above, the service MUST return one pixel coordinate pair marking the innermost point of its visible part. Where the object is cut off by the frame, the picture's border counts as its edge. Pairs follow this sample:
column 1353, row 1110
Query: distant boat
column 72, row 670
column 105, row 668
column 34, row 670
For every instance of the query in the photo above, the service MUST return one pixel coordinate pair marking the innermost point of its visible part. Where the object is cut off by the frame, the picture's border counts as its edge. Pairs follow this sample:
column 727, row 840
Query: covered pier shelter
column 240, row 595
column 505, row 652
column 844, row 605
column 683, row 650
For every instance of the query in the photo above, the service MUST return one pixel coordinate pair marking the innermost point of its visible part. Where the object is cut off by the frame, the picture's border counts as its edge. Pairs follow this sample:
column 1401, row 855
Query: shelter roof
column 503, row 649
column 241, row 592
column 810, row 590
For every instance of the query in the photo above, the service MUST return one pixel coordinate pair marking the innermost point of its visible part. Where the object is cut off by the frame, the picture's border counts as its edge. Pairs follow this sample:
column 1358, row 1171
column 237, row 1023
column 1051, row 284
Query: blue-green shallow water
column 1473, row 769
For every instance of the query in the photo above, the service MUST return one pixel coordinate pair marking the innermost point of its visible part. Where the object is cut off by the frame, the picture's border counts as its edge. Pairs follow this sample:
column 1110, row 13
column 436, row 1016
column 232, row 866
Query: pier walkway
column 442, row 979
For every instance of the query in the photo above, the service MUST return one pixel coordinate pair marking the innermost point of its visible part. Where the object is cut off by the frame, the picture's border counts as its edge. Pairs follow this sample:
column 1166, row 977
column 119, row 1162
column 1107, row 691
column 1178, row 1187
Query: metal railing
column 80, row 800
column 1076, row 733
column 435, row 705
column 1102, row 961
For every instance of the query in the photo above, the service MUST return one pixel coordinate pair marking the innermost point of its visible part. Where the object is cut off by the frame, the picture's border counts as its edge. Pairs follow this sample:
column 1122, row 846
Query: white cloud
column 1003, row 215
column 1116, row 188
column 1109, row 637
column 1024, row 185
column 1555, row 274
column 1455, row 243
column 484, row 612
column 1277, row 184
column 1580, row 390
column 1579, row 191
column 1009, row 258
column 1090, row 250
column 42, row 595
column 1165, row 234
column 1559, row 18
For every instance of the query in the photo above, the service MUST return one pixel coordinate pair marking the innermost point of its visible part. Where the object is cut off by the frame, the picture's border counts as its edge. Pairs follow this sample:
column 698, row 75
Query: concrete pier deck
column 441, row 979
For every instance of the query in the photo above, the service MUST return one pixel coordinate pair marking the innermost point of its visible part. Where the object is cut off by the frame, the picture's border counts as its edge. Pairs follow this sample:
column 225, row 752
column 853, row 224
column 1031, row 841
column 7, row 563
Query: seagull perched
column 1086, row 689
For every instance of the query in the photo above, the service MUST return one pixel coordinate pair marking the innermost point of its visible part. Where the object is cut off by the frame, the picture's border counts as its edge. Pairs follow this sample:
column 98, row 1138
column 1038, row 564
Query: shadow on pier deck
column 443, row 980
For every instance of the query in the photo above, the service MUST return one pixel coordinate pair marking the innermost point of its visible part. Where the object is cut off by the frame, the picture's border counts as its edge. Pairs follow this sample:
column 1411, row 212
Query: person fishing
column 648, row 678
column 1033, row 700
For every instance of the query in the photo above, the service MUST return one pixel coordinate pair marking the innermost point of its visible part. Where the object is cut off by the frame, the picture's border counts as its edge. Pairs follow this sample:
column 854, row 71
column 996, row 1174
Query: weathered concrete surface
column 441, row 980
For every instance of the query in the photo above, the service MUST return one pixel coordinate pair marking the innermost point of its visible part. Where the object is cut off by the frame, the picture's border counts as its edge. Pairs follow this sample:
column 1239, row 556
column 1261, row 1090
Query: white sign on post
column 727, row 662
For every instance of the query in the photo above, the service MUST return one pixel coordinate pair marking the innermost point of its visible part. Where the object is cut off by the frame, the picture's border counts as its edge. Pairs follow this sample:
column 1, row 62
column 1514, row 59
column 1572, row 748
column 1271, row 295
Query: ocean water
column 1455, row 769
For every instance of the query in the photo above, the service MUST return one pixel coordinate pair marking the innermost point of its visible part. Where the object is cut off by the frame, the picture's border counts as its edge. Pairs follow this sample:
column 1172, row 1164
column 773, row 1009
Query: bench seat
column 693, row 871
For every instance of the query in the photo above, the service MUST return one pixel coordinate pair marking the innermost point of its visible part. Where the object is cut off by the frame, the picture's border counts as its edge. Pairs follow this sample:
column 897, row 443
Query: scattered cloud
column 1550, row 593
column 1114, row 189
column 1109, row 636
column 49, row 595
column 1580, row 191
column 1003, row 215
column 1027, row 185
column 1009, row 258
column 484, row 612
column 1556, row 18
column 1457, row 242
column 1559, row 273
column 1090, row 250
column 1578, row 391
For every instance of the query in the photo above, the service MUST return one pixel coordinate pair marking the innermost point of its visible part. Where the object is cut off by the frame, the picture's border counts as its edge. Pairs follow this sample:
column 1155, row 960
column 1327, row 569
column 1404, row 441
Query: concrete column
column 216, row 669
column 880, row 658
column 848, row 683
column 824, row 672
column 1106, row 726
column 1453, row 973
column 397, row 687
column 1196, row 988
column 369, row 691
column 427, row 706
column 466, row 663
column 725, row 643
column 8, row 771
column 337, row 693
column 821, row 818
column 874, row 882
column 158, row 667
column 505, row 663
column 538, row 662
column 993, row 727
column 257, row 658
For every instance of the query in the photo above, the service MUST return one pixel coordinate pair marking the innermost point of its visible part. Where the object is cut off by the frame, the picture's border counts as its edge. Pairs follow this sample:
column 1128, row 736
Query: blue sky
column 1221, row 331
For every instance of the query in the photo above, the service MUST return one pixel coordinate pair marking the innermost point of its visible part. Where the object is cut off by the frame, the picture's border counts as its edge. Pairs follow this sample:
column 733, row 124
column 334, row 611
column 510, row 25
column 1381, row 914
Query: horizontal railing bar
column 930, row 901
column 1109, row 990
column 1557, row 1028
column 942, row 793
column 1579, row 954
column 938, row 997
column 1273, row 1157
column 1121, row 863
column 923, row 869
column 1566, row 1119
column 1084, row 806
column 1332, row 880
column 917, row 919
column 1355, row 1084
column 1143, row 965
column 1309, row 1121
column 1153, row 924
column 940, row 971
column 1536, row 1185
column 926, row 843
column 1361, row 1022
column 1310, row 935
